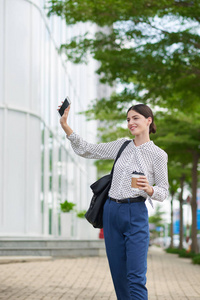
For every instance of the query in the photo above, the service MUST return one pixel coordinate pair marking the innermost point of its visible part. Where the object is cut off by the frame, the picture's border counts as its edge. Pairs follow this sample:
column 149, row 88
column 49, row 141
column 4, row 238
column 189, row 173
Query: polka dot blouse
column 146, row 158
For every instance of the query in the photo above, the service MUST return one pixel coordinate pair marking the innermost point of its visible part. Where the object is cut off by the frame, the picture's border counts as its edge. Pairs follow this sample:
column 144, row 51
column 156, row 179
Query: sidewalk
column 169, row 277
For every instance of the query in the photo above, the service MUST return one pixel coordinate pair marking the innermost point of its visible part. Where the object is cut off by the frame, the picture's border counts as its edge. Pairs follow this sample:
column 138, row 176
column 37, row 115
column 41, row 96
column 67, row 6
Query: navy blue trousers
column 126, row 233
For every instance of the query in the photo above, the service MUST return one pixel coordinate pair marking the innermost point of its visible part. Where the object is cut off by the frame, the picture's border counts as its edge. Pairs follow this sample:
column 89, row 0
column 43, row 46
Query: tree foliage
column 152, row 47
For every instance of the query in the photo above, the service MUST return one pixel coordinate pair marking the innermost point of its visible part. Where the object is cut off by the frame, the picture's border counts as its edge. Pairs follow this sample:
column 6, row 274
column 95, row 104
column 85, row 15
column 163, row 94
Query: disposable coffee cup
column 135, row 176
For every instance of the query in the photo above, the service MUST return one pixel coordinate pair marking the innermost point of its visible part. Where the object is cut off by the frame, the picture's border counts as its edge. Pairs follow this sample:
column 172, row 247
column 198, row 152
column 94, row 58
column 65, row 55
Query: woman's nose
column 131, row 122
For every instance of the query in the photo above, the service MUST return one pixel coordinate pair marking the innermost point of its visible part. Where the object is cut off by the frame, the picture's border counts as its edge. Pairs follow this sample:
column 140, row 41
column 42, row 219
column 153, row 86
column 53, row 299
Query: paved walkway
column 169, row 277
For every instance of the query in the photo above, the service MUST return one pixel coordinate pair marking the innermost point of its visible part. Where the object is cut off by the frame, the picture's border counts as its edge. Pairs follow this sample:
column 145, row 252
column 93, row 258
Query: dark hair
column 146, row 111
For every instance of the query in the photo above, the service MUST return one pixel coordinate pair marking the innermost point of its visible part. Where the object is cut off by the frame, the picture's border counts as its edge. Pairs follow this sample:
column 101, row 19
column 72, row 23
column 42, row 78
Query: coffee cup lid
column 138, row 173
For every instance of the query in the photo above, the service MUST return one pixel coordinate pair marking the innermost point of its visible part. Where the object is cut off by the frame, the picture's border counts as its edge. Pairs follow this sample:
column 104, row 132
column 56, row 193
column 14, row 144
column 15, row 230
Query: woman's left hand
column 143, row 183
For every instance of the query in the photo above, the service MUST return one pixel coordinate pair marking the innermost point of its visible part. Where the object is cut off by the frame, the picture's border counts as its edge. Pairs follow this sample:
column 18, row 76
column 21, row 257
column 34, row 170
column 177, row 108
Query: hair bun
column 152, row 128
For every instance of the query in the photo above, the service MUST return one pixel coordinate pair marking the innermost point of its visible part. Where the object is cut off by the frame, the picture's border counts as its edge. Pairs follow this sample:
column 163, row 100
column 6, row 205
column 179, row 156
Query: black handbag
column 100, row 189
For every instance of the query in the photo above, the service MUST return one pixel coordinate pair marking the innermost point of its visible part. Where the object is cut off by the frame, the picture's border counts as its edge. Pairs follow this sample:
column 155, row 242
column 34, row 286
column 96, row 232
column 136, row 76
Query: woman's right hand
column 63, row 121
column 64, row 118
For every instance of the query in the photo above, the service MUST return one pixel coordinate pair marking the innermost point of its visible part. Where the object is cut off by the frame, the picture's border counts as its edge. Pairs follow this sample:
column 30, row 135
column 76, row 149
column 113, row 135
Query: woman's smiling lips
column 132, row 127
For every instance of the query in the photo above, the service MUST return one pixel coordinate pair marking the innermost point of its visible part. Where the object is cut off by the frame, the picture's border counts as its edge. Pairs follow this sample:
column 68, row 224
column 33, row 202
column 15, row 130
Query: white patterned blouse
column 147, row 158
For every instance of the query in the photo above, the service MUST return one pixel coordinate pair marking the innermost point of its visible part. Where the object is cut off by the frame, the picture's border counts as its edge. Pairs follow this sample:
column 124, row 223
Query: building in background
column 38, row 168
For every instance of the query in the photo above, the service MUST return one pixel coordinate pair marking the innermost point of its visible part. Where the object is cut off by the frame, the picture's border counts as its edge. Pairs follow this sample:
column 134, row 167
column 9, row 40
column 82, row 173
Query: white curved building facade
column 38, row 169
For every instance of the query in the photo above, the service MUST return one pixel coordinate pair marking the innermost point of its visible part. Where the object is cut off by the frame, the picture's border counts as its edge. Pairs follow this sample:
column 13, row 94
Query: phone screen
column 65, row 105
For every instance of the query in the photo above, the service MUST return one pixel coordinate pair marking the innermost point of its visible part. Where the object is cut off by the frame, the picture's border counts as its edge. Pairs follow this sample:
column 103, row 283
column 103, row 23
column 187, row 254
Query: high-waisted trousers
column 126, row 233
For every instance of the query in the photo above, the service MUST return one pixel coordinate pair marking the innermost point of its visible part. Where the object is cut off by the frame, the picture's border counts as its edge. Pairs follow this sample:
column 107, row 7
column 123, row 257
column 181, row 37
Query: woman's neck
column 139, row 140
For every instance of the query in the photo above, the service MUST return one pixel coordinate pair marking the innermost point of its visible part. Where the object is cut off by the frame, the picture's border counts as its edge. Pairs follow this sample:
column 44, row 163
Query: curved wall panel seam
column 60, row 141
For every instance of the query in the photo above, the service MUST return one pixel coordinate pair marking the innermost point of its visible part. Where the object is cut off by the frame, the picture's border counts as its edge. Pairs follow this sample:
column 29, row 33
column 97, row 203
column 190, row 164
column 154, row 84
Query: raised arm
column 89, row 150
column 63, row 122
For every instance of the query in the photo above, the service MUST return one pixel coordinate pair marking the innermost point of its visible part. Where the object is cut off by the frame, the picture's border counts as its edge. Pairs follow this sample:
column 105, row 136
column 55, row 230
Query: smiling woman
column 137, row 123
column 125, row 216
column 140, row 112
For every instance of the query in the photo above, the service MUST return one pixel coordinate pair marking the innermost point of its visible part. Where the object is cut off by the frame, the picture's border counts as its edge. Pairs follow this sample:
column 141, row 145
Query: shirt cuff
column 159, row 194
column 71, row 136
column 152, row 196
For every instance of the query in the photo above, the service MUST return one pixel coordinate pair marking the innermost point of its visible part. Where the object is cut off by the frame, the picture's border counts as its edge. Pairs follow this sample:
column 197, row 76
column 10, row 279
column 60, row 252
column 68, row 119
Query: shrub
column 196, row 259
column 81, row 214
column 172, row 250
column 66, row 206
column 186, row 254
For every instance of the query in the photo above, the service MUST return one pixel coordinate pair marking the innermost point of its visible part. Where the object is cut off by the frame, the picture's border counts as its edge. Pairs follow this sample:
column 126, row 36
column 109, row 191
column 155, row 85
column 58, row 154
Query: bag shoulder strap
column 120, row 152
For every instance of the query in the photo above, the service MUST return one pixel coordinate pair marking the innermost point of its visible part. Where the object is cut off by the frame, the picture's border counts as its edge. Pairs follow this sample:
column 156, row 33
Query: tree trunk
column 181, row 213
column 194, row 201
column 172, row 224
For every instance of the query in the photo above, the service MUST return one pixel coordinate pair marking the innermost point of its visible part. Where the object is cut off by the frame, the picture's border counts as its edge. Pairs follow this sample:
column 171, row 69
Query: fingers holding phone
column 64, row 105
column 64, row 118
column 64, row 112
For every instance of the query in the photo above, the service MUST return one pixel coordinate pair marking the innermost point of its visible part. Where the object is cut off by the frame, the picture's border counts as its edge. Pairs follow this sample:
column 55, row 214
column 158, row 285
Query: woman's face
column 137, row 123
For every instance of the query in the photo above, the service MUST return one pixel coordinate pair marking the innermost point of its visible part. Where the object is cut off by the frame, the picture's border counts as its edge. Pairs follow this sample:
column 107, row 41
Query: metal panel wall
column 38, row 168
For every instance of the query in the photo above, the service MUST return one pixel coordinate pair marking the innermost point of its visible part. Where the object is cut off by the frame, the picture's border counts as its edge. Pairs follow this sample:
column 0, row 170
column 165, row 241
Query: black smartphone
column 65, row 105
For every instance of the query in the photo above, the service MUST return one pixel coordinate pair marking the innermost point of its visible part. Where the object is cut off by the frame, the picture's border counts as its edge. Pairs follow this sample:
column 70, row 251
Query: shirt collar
column 143, row 146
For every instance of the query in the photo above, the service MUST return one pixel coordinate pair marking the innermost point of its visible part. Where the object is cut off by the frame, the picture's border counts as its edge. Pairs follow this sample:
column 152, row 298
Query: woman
column 125, row 218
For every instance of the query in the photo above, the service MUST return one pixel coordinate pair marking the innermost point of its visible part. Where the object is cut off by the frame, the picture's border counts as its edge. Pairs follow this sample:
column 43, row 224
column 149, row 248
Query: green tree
column 152, row 47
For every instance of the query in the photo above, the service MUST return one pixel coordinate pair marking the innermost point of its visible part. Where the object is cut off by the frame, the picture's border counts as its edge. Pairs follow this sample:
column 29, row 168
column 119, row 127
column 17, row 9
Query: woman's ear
column 149, row 121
